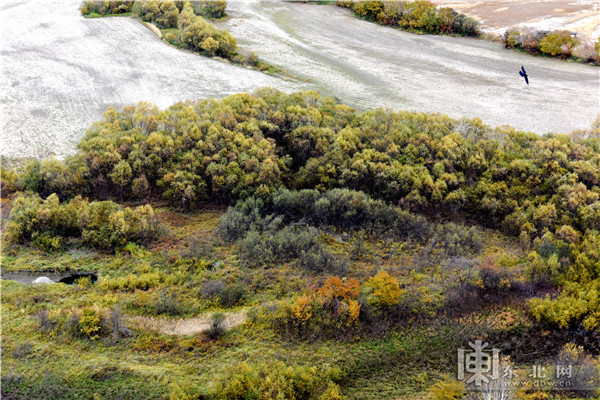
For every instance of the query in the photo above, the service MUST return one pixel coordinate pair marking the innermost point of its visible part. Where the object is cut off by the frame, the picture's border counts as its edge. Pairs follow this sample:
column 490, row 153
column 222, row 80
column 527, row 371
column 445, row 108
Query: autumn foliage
column 419, row 16
column 561, row 43
column 304, row 160
column 340, row 308
column 183, row 17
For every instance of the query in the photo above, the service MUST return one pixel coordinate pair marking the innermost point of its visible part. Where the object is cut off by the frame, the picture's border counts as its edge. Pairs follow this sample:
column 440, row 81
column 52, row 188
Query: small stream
column 68, row 277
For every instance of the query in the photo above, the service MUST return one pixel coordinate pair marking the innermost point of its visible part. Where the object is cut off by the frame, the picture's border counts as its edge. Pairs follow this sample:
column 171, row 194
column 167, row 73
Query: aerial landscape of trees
column 273, row 245
column 289, row 164
column 223, row 150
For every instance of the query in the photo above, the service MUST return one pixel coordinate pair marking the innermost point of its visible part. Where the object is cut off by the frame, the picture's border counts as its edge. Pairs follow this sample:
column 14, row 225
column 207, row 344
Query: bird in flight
column 524, row 74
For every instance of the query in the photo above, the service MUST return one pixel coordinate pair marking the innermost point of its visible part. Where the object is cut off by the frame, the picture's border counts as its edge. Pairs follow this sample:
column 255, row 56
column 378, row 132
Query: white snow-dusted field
column 366, row 65
column 61, row 71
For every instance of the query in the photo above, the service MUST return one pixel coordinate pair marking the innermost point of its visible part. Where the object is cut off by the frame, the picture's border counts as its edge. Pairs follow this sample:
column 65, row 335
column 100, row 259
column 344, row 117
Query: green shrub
column 89, row 323
column 133, row 282
column 465, row 26
column 106, row 7
column 272, row 248
column 83, row 323
column 210, row 45
column 212, row 289
column 167, row 16
column 32, row 178
column 558, row 43
column 540, row 270
column 511, row 38
column 234, row 295
column 338, row 208
column 245, row 216
column 586, row 382
column 43, row 221
column 554, row 43
column 577, row 305
column 210, row 9
column 103, row 224
column 168, row 303
column 422, row 16
column 46, row 242
column 320, row 260
column 277, row 380
column 200, row 35
column 217, row 328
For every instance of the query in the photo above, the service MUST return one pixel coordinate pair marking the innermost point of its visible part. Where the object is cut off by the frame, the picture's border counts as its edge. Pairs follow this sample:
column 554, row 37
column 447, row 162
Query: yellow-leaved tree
column 383, row 290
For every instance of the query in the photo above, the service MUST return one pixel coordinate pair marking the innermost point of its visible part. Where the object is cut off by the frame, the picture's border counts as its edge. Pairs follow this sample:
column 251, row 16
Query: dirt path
column 187, row 326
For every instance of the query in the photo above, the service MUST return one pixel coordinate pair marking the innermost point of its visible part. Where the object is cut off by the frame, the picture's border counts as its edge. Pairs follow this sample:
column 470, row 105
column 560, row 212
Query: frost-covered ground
column 368, row 65
column 61, row 71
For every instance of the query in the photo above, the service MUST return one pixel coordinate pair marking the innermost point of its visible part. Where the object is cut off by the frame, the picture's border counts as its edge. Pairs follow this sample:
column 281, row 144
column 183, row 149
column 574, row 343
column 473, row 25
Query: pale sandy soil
column 581, row 16
column 61, row 71
column 185, row 326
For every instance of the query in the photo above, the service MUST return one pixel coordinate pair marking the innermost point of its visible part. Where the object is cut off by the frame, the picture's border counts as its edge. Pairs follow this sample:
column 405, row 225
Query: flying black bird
column 524, row 74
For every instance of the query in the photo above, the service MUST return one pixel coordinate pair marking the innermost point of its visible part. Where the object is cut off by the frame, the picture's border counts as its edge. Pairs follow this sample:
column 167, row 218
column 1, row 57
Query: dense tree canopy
column 544, row 190
column 220, row 150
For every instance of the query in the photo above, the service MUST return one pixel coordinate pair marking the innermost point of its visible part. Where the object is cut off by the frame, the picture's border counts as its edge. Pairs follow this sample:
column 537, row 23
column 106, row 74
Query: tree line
column 418, row 16
column 560, row 43
column 423, row 16
column 180, row 21
column 210, row 9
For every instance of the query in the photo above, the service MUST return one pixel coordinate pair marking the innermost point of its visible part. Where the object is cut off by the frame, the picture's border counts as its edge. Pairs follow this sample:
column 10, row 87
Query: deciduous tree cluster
column 48, row 224
column 106, row 7
column 185, row 17
column 420, row 16
column 545, row 190
column 559, row 43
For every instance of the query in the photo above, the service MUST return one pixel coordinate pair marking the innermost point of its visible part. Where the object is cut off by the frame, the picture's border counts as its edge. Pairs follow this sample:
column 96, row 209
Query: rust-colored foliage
column 335, row 288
